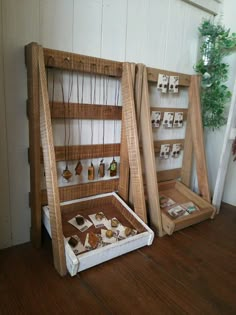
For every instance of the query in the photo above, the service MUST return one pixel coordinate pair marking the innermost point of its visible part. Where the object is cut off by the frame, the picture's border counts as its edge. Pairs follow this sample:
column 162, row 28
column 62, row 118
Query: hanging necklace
column 50, row 58
column 101, row 169
column 79, row 167
column 66, row 174
column 113, row 164
column 93, row 79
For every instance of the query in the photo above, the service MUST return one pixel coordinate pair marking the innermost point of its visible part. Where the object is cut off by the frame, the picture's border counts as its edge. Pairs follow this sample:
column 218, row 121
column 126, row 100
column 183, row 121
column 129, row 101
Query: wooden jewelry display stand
column 173, row 183
column 93, row 195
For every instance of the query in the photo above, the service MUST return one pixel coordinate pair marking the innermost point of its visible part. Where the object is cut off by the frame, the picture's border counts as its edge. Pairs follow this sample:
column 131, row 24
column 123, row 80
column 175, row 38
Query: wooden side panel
column 133, row 142
column 198, row 140
column 50, row 171
column 34, row 142
column 188, row 153
column 148, row 148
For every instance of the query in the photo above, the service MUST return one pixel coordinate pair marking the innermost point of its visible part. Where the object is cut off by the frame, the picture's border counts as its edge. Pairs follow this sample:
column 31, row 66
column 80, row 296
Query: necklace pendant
column 66, row 174
column 101, row 169
column 91, row 172
column 78, row 168
column 113, row 168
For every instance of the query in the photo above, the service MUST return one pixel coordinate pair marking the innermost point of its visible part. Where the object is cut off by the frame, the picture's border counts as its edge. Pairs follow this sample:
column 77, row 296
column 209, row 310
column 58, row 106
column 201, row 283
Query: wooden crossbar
column 76, row 62
column 85, row 111
column 152, row 76
column 75, row 152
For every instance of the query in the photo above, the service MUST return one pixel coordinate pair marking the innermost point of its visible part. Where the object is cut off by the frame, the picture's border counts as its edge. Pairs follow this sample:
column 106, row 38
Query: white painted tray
column 91, row 258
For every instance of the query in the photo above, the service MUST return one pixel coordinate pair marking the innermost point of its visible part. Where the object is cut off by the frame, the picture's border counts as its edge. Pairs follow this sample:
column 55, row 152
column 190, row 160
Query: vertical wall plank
column 157, row 32
column 87, row 27
column 56, row 24
column 114, row 29
column 137, row 31
column 5, row 215
column 20, row 26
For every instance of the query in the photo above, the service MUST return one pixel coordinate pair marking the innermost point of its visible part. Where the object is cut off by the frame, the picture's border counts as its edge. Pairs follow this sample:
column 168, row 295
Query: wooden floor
column 191, row 272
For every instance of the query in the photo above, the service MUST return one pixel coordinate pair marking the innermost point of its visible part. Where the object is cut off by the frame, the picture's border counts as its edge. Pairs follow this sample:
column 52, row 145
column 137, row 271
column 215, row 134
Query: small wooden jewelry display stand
column 173, row 183
column 85, row 198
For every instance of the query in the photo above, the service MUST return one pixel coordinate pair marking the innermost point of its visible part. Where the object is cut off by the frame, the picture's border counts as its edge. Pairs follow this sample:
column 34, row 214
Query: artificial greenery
column 217, row 42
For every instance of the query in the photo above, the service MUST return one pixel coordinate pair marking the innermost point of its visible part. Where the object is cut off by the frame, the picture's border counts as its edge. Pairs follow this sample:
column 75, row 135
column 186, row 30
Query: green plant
column 216, row 44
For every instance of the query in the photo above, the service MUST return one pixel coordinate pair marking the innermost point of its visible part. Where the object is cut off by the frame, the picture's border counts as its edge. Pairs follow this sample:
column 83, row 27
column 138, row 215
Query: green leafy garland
column 216, row 44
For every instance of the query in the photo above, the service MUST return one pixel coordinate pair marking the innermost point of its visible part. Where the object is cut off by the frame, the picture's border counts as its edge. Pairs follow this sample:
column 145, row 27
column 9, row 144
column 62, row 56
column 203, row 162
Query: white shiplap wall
column 158, row 33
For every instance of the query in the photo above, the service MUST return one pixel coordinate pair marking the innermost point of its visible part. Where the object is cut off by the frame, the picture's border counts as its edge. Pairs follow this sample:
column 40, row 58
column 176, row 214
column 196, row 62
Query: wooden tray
column 112, row 206
column 181, row 194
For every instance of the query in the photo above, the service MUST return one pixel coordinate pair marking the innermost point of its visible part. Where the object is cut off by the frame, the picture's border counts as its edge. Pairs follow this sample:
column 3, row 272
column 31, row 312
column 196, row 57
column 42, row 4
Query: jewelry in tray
column 111, row 231
column 176, row 210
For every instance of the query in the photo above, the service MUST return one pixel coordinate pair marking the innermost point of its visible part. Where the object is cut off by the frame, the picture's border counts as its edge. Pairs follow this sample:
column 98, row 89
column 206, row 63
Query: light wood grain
column 132, row 142
column 81, row 63
column 197, row 136
column 188, row 153
column 152, row 74
column 146, row 138
column 31, row 52
column 75, row 152
column 83, row 190
column 50, row 171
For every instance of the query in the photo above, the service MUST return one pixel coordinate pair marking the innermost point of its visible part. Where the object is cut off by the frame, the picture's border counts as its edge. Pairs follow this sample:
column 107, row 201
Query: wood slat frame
column 193, row 140
column 129, row 145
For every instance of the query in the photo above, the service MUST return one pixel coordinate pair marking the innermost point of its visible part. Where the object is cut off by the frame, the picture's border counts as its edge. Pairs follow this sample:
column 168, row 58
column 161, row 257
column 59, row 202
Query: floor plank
column 191, row 272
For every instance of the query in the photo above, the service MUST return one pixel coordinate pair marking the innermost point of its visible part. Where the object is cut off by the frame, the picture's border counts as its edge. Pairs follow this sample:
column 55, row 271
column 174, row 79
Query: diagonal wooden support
column 146, row 140
column 50, row 171
column 197, row 137
column 133, row 142
column 230, row 134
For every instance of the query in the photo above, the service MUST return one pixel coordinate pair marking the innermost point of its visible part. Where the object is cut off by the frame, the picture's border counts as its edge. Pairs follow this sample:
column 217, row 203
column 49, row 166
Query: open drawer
column 181, row 194
column 112, row 206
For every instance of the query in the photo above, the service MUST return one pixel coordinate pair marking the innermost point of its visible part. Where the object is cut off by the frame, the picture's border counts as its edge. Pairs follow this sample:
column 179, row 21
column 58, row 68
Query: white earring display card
column 178, row 120
column 165, row 151
column 156, row 119
column 174, row 84
column 168, row 119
